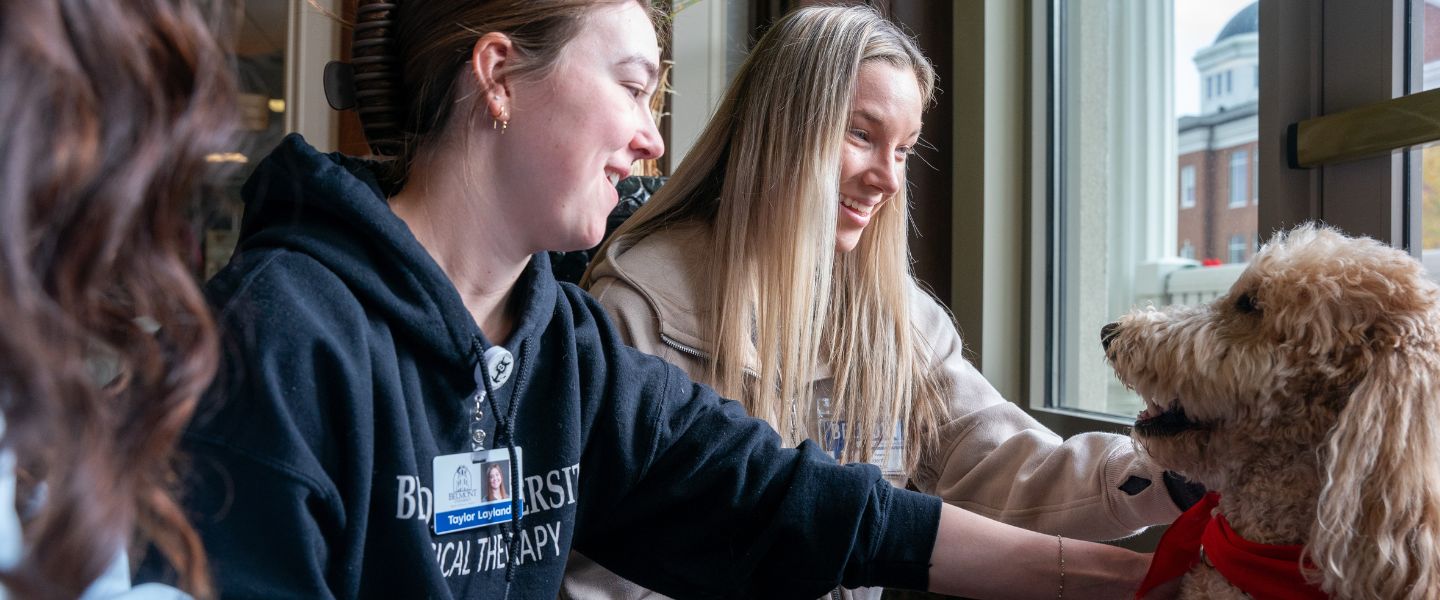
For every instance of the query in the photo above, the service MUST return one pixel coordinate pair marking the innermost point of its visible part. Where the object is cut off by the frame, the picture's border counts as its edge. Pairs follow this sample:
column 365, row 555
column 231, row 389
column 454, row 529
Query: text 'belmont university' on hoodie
column 350, row 364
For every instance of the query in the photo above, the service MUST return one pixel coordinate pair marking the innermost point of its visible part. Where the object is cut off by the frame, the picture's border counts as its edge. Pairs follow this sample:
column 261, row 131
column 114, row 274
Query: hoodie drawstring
column 505, row 435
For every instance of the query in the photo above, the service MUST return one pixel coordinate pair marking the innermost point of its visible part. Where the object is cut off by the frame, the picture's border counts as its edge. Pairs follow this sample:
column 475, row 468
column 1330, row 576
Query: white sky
column 1197, row 22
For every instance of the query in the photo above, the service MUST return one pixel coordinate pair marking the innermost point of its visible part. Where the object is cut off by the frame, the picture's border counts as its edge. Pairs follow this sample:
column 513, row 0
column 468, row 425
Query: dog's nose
column 1107, row 333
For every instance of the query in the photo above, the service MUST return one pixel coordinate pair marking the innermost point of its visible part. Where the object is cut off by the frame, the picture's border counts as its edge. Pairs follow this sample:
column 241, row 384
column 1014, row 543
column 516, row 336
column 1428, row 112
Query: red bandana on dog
column 1265, row 572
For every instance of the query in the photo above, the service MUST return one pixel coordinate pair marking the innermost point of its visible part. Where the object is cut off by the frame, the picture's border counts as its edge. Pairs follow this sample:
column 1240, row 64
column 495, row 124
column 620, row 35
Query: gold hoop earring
column 498, row 116
column 505, row 121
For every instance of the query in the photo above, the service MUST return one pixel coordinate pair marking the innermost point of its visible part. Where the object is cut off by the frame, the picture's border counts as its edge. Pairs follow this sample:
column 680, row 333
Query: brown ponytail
column 377, row 76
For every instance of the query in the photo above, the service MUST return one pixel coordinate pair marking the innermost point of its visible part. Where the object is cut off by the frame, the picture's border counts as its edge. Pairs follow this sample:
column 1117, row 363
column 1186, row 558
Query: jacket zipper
column 669, row 341
column 697, row 353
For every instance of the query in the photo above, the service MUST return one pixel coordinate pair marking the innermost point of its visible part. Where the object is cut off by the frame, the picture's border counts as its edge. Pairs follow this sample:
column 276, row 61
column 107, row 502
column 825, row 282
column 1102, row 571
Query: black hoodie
column 348, row 365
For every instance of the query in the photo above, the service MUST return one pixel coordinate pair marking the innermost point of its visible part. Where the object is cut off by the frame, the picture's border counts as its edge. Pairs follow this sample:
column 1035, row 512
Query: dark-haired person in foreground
column 107, row 111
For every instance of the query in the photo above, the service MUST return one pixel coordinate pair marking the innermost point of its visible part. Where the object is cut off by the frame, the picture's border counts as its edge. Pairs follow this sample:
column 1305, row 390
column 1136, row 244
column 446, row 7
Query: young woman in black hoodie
column 392, row 330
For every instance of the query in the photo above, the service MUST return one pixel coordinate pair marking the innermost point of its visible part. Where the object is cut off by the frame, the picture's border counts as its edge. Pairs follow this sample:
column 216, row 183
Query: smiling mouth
column 856, row 206
column 1156, row 421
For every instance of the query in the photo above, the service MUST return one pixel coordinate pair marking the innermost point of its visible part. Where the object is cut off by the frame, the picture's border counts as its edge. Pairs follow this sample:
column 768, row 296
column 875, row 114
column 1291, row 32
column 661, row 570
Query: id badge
column 473, row 490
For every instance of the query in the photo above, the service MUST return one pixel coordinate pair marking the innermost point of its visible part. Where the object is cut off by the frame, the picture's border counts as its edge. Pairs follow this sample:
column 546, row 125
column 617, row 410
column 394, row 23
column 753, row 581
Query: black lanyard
column 504, row 435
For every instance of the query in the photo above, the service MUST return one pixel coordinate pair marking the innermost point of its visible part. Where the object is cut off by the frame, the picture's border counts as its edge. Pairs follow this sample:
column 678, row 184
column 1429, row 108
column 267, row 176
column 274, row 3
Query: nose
column 886, row 174
column 647, row 143
column 1107, row 334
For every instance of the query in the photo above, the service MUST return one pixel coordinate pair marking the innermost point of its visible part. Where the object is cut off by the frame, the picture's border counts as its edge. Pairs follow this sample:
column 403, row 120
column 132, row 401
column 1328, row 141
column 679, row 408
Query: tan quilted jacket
column 995, row 459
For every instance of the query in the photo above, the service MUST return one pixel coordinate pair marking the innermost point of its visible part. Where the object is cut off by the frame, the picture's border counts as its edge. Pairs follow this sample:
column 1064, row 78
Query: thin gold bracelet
column 1060, row 542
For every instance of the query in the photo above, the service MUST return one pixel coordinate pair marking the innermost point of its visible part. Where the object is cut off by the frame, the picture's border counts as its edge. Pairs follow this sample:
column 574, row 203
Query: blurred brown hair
column 108, row 112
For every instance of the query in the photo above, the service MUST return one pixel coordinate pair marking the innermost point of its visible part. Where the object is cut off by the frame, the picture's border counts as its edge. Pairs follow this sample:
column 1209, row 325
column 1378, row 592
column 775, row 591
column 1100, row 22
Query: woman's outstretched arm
column 977, row 557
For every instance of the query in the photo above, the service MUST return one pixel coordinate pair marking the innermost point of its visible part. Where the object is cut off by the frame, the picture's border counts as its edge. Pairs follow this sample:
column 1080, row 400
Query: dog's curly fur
column 1309, row 397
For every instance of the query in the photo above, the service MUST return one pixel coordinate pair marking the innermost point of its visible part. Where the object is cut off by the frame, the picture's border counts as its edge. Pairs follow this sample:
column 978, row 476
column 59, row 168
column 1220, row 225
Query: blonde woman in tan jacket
column 774, row 267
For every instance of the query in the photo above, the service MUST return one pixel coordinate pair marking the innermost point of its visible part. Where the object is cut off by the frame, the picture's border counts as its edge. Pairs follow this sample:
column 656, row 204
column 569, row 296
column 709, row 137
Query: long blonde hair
column 765, row 175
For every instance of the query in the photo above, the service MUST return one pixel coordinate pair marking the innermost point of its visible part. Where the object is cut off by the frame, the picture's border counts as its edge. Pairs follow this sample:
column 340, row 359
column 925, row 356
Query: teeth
column 855, row 206
column 614, row 178
column 1154, row 409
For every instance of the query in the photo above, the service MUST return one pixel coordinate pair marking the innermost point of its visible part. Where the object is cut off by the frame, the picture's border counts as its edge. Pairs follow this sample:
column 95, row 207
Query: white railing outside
column 1182, row 281
column 1431, row 260
column 1201, row 284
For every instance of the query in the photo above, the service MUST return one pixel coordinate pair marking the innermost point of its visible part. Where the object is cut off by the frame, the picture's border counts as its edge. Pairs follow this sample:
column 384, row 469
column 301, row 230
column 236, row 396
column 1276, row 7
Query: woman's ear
column 489, row 64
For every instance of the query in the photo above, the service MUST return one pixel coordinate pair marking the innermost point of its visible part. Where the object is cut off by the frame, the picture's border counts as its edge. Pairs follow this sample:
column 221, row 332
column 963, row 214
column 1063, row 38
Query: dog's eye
column 1246, row 304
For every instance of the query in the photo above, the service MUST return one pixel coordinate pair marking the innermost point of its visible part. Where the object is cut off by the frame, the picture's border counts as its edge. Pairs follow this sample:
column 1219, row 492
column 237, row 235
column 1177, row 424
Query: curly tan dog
column 1308, row 397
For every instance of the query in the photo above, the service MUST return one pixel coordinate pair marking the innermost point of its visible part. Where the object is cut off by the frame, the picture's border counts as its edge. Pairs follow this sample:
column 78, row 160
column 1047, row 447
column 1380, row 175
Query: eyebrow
column 643, row 62
column 866, row 114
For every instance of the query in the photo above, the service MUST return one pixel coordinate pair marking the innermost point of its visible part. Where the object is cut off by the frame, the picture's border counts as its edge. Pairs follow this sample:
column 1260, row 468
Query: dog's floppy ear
column 1378, row 531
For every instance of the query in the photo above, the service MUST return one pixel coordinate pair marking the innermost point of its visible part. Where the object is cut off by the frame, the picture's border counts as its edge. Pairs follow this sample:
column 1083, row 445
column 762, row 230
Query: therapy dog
column 1307, row 399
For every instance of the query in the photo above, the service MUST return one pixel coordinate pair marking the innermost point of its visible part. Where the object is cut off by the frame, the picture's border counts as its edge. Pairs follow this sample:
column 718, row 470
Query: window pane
column 260, row 77
column 1153, row 174
column 1429, row 188
column 1238, row 178
column 1187, row 186
column 1237, row 248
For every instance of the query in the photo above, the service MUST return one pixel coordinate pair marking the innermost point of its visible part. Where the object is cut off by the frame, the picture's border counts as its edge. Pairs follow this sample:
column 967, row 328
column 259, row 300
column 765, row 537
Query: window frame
column 1329, row 57
column 1306, row 82
column 1254, row 177
column 1041, row 325
column 698, row 44
column 312, row 39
